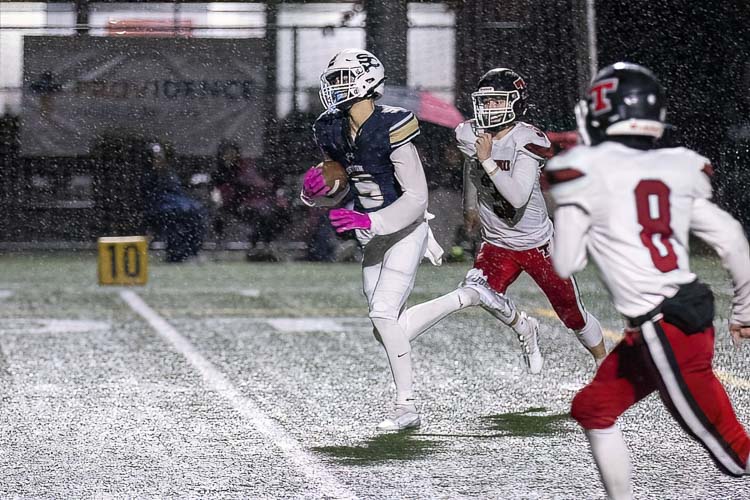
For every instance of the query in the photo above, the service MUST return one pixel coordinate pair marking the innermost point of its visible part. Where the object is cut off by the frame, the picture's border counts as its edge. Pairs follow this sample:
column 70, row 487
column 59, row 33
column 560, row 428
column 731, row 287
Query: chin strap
column 490, row 130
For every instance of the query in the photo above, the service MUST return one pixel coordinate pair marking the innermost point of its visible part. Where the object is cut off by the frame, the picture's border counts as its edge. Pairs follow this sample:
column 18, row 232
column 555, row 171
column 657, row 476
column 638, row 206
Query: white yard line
column 52, row 325
column 329, row 486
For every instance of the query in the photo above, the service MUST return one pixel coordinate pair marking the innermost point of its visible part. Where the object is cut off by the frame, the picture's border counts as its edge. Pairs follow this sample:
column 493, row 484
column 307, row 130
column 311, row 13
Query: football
column 334, row 175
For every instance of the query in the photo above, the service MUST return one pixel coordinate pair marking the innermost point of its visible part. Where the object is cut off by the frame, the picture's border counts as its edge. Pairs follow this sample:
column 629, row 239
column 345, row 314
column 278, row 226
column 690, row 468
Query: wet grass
column 404, row 445
column 533, row 422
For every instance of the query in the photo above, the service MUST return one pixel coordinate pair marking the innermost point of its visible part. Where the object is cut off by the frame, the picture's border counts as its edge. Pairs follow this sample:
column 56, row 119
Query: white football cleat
column 495, row 303
column 532, row 356
column 405, row 416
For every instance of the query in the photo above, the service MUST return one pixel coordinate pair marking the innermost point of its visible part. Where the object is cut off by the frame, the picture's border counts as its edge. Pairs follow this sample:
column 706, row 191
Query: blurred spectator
column 293, row 147
column 241, row 191
column 169, row 211
column 294, row 151
column 322, row 242
column 443, row 163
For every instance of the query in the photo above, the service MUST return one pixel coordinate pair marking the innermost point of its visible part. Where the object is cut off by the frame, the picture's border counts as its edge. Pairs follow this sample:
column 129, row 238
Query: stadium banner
column 189, row 92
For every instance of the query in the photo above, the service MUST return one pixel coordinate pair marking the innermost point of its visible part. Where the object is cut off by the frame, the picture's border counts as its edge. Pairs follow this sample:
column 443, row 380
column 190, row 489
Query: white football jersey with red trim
column 502, row 224
column 632, row 210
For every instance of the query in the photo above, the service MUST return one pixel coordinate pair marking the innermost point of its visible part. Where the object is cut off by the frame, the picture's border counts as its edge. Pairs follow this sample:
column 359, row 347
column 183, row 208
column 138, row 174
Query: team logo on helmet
column 368, row 61
column 598, row 93
column 519, row 83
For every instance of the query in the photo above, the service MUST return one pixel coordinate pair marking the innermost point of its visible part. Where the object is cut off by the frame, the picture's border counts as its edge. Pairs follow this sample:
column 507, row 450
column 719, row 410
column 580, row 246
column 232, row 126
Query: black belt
column 639, row 320
column 691, row 309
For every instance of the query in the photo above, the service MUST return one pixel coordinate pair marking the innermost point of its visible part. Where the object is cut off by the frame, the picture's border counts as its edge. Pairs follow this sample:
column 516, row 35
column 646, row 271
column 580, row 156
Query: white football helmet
column 351, row 75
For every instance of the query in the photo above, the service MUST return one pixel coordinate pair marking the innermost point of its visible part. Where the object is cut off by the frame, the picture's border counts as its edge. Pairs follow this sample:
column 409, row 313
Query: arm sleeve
column 569, row 245
column 412, row 203
column 470, row 190
column 720, row 230
column 516, row 187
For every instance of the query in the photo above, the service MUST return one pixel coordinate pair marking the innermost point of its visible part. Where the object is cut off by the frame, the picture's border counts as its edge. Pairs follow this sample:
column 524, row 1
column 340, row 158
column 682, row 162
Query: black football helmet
column 501, row 98
column 624, row 100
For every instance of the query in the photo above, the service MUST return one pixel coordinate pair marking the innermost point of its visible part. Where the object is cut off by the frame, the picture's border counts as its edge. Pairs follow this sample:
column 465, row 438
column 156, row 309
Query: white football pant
column 389, row 268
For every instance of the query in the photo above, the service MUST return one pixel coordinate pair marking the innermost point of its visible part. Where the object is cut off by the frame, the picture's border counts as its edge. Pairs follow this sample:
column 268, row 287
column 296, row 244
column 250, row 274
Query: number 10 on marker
column 123, row 260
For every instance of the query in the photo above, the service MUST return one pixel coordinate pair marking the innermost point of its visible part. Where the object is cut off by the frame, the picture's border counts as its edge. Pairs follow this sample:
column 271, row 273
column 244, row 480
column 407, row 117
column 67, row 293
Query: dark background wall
column 700, row 51
column 697, row 49
column 541, row 39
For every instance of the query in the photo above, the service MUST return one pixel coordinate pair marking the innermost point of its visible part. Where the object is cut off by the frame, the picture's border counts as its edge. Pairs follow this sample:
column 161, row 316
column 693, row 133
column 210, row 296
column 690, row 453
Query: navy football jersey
column 372, row 180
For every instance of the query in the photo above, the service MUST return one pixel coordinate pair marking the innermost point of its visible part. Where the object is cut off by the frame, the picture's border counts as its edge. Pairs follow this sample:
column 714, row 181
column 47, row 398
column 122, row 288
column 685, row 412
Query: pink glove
column 343, row 219
column 314, row 184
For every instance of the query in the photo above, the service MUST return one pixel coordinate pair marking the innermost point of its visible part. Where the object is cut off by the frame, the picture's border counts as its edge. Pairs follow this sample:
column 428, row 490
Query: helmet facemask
column 338, row 86
column 582, row 116
column 494, row 108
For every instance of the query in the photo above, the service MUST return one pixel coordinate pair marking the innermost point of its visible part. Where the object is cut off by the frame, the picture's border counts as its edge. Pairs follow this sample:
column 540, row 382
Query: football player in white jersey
column 630, row 205
column 385, row 203
column 503, row 158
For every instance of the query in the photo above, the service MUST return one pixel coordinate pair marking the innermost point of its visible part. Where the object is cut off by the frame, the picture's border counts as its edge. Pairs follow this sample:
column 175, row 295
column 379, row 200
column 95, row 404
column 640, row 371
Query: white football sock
column 592, row 338
column 418, row 319
column 591, row 334
column 613, row 459
column 398, row 350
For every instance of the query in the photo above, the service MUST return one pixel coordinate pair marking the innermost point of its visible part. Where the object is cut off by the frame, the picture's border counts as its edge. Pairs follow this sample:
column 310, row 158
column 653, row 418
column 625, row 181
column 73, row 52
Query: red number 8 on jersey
column 652, row 204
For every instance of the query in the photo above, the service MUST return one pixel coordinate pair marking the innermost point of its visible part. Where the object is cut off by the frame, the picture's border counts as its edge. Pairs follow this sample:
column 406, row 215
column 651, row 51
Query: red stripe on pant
column 502, row 267
column 629, row 374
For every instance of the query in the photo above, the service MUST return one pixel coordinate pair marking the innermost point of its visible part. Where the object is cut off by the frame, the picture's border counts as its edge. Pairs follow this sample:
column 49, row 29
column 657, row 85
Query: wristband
column 490, row 166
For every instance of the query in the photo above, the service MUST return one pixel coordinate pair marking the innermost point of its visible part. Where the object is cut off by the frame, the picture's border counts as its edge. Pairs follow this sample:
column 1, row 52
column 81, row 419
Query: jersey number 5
column 652, row 204
column 369, row 192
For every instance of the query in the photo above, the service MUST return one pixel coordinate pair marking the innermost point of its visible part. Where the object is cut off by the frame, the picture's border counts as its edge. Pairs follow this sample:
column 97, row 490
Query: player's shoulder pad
column 573, row 178
column 327, row 118
column 325, row 122
column 532, row 141
column 324, row 129
column 567, row 166
column 701, row 169
column 698, row 161
column 466, row 137
column 402, row 125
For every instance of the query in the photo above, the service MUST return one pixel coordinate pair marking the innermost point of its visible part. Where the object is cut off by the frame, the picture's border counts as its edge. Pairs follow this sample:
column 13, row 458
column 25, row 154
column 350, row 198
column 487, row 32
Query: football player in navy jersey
column 385, row 203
